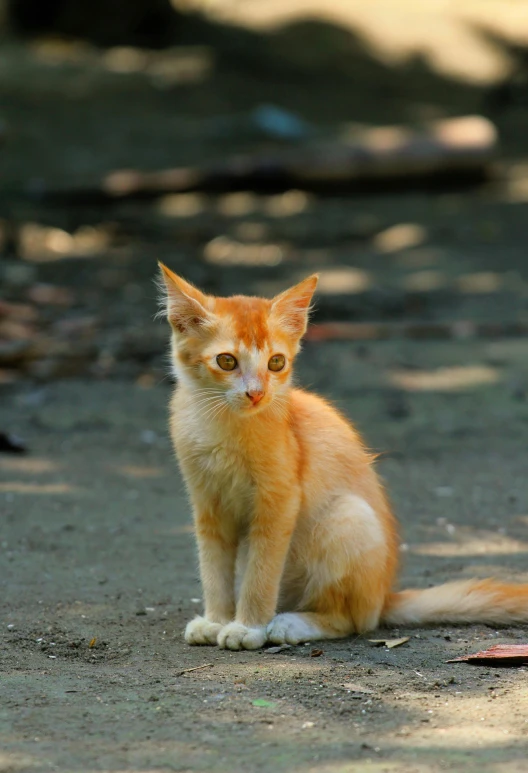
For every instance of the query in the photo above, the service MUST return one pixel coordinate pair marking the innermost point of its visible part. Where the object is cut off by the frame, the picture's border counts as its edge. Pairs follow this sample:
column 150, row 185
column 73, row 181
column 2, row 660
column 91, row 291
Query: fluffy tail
column 468, row 601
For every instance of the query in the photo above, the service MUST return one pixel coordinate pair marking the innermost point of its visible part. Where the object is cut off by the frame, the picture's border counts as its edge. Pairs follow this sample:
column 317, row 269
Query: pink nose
column 255, row 396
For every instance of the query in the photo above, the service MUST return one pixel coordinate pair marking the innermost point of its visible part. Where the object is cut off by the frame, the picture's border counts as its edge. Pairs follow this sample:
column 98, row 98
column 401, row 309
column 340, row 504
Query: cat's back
column 317, row 420
column 330, row 447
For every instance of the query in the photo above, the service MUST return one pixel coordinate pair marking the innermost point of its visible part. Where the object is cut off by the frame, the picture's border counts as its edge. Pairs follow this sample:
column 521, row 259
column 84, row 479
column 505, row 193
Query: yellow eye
column 277, row 362
column 226, row 361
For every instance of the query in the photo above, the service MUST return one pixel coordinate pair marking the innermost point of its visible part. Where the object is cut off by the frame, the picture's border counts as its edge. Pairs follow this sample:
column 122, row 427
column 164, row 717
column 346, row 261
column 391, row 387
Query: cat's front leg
column 269, row 541
column 217, row 553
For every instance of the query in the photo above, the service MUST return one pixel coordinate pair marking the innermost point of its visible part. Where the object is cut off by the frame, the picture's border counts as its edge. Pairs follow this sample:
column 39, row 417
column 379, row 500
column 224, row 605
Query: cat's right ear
column 292, row 306
column 186, row 308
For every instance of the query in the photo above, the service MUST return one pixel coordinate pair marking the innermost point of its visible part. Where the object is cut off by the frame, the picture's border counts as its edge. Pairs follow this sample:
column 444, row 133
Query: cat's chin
column 252, row 410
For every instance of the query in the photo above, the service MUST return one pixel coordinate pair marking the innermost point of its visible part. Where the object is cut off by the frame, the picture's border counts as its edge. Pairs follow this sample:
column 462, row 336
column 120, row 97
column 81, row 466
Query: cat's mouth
column 251, row 407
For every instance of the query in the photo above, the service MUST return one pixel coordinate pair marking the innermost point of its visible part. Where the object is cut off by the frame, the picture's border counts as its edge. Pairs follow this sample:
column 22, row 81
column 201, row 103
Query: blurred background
column 246, row 144
column 243, row 143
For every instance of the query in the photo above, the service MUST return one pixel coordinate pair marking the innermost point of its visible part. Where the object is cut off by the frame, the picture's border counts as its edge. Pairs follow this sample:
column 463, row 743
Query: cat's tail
column 467, row 601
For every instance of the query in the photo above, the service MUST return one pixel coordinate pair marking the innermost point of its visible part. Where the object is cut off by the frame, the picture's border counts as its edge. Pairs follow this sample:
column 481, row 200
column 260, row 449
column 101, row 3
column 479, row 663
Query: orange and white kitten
column 296, row 538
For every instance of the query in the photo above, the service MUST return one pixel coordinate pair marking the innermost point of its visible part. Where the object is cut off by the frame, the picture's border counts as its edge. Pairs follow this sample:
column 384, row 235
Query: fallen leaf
column 498, row 655
column 93, row 642
column 263, row 704
column 358, row 688
column 390, row 643
column 276, row 650
column 316, row 653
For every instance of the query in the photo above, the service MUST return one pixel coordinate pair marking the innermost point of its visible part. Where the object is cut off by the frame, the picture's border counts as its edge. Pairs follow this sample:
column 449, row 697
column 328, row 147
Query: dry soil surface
column 99, row 578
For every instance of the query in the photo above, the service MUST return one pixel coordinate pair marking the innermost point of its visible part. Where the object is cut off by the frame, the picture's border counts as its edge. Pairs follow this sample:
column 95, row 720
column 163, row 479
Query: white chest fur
column 213, row 464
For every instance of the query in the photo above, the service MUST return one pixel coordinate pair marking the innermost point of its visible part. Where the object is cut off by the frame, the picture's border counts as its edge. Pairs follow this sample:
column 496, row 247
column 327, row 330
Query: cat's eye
column 277, row 362
column 226, row 361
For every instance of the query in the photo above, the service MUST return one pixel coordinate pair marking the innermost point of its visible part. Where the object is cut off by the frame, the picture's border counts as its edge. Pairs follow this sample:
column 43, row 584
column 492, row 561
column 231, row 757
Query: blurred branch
column 454, row 152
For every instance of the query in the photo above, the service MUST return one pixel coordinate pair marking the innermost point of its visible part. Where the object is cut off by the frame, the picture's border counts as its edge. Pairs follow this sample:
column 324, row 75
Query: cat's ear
column 291, row 308
column 185, row 306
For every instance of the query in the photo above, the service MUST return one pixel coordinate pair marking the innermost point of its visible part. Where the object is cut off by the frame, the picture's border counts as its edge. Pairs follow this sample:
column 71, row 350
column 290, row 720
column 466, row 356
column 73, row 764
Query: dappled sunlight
column 480, row 283
column 425, row 281
column 18, row 487
column 10, row 762
column 55, row 51
column 44, row 243
column 173, row 66
column 225, row 251
column 396, row 33
column 183, row 65
column 286, row 204
column 139, row 471
column 365, row 765
column 419, row 258
column 517, row 183
column 126, row 182
column 382, row 139
column 449, row 379
column 125, row 59
column 181, row 205
column 460, row 544
column 480, row 721
column 343, row 280
column 400, row 237
column 466, row 735
column 31, row 466
column 243, row 203
column 238, row 204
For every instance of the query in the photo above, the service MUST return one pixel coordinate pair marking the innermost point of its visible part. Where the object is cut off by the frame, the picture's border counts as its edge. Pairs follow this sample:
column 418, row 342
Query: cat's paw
column 202, row 631
column 290, row 628
column 236, row 636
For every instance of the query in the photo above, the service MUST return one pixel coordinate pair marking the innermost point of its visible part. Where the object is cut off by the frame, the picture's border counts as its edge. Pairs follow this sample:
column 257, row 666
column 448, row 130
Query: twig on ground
column 194, row 668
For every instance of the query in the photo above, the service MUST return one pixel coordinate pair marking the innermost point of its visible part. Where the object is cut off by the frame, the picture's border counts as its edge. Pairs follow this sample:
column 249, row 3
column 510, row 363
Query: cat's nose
column 255, row 395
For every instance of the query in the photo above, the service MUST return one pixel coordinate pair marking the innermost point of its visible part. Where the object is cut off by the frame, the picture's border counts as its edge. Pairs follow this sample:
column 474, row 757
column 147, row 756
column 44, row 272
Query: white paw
column 202, row 631
column 236, row 636
column 289, row 628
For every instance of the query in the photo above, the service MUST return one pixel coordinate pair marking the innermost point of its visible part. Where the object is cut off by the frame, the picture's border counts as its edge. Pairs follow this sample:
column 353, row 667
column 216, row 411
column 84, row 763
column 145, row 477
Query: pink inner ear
column 293, row 305
column 186, row 324
column 293, row 314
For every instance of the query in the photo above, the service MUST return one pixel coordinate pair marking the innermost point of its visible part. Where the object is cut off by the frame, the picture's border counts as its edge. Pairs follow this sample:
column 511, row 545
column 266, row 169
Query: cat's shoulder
column 306, row 403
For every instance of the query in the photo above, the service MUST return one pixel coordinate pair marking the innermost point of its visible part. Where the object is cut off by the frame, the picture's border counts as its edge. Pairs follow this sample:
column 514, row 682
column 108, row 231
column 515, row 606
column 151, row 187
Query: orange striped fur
column 296, row 539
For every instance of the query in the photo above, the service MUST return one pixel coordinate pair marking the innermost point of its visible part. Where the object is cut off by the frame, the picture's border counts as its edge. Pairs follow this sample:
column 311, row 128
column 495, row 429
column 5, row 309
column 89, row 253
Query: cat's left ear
column 187, row 309
column 292, row 307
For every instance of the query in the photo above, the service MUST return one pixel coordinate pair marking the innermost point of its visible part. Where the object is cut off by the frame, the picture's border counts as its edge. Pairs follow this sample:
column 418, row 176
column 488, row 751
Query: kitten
column 295, row 536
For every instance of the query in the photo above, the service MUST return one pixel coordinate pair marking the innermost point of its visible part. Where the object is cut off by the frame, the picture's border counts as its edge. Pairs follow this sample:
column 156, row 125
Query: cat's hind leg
column 349, row 561
column 299, row 627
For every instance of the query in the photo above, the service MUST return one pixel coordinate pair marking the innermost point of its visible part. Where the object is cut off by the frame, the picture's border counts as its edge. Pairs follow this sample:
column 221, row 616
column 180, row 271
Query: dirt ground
column 98, row 566
column 99, row 578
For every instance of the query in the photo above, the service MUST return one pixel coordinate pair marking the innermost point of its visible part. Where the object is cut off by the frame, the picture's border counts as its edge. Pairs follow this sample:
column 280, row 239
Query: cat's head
column 237, row 351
